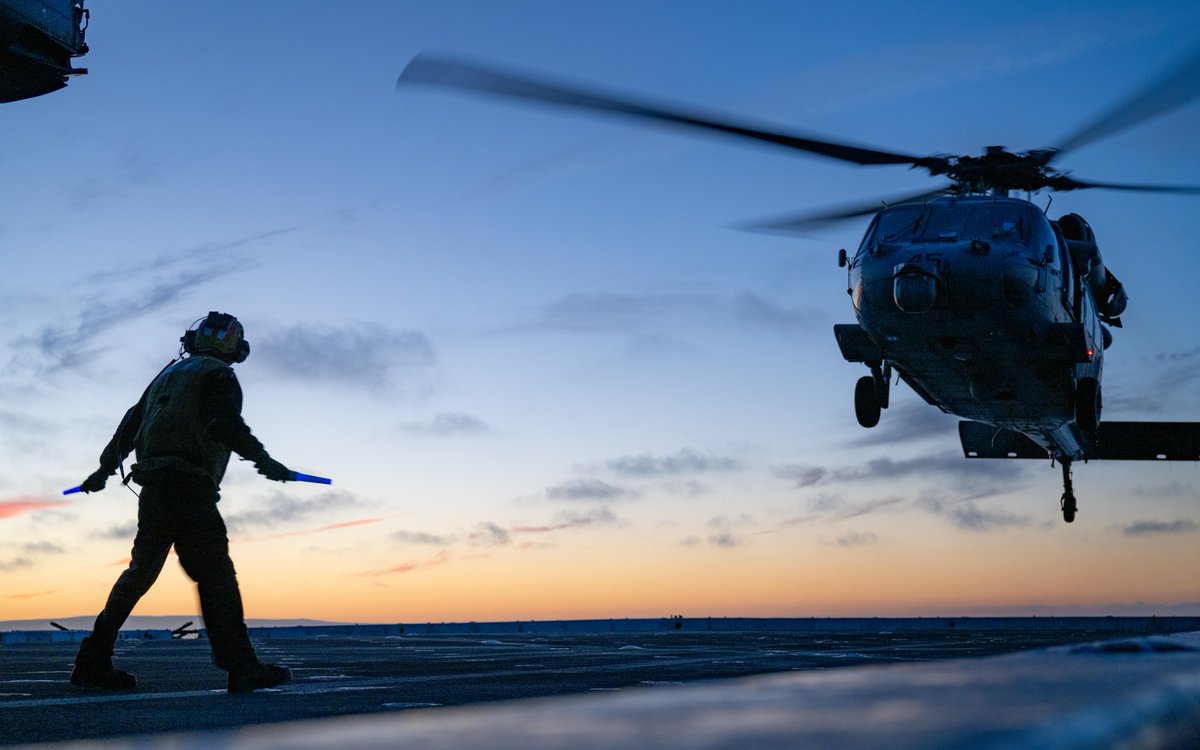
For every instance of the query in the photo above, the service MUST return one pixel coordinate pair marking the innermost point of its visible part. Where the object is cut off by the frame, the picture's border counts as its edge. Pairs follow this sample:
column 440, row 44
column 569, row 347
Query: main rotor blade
column 430, row 69
column 1177, row 87
column 805, row 222
column 1070, row 183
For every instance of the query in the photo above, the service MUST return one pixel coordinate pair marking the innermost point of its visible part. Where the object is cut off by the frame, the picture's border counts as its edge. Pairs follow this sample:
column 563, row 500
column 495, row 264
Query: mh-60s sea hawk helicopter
column 983, row 305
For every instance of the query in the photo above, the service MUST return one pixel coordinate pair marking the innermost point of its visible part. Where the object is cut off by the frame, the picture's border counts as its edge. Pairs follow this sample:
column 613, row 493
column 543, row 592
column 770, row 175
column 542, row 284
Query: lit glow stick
column 298, row 477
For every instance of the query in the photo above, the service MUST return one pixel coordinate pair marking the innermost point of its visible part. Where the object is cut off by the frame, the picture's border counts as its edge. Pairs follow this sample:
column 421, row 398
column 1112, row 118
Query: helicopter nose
column 915, row 286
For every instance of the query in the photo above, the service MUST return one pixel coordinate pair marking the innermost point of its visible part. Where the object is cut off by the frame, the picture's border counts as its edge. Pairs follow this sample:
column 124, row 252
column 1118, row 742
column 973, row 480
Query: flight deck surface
column 179, row 690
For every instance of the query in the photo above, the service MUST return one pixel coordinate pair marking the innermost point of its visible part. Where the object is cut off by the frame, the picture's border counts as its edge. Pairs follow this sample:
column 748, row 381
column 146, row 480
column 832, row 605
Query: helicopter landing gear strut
column 1068, row 498
column 871, row 394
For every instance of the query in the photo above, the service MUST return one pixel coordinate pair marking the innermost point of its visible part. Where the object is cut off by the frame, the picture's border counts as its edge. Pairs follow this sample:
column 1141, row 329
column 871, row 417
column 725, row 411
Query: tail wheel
column 866, row 402
column 1087, row 404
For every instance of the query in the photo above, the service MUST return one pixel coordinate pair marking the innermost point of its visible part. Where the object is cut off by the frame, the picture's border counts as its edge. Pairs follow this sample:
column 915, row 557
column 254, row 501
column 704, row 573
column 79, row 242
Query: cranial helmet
column 218, row 334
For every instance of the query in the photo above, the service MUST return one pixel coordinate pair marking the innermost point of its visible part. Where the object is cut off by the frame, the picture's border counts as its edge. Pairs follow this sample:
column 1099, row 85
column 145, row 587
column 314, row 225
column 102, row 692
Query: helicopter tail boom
column 1113, row 441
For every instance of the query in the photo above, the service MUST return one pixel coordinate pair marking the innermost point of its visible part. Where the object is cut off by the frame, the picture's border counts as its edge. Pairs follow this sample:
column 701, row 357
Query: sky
column 547, row 374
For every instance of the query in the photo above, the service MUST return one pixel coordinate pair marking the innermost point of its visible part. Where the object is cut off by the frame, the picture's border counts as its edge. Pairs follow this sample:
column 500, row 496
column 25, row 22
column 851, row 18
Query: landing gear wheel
column 1068, row 508
column 866, row 402
column 1087, row 404
column 1068, row 498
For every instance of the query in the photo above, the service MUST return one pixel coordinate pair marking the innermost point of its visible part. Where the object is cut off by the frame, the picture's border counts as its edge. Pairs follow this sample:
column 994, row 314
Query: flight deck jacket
column 188, row 420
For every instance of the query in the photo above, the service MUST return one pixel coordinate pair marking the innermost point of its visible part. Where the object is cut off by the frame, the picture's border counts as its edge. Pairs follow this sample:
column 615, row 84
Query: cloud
column 722, row 534
column 965, row 471
column 419, row 537
column 587, row 489
column 280, row 508
column 1175, row 373
column 212, row 253
column 30, row 595
column 856, row 539
column 1170, row 490
column 685, row 487
column 1157, row 528
column 969, row 516
column 364, row 354
column 686, row 461
column 15, row 563
column 20, row 505
column 42, row 548
column 68, row 345
column 724, row 538
column 119, row 531
column 569, row 519
column 308, row 532
column 448, row 423
column 489, row 534
column 802, row 476
column 407, row 567
column 753, row 310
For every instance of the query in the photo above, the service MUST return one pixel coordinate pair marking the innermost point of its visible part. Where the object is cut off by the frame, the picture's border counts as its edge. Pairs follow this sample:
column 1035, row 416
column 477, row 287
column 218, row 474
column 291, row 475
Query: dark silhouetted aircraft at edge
column 981, row 303
column 38, row 38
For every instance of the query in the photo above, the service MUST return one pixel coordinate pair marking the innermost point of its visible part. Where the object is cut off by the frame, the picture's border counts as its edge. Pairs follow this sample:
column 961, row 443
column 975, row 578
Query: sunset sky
column 548, row 376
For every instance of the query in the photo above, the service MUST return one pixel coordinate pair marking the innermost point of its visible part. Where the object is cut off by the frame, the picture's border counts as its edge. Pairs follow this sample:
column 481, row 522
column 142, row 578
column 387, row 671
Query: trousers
column 180, row 510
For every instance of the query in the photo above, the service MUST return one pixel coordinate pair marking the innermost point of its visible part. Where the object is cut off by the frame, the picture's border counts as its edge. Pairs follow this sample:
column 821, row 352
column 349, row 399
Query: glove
column 95, row 482
column 272, row 469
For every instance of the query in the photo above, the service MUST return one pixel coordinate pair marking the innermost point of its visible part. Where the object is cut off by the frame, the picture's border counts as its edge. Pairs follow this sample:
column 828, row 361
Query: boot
column 258, row 675
column 95, row 670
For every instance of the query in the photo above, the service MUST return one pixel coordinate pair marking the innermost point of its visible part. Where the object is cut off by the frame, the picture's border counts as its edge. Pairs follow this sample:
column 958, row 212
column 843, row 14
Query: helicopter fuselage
column 973, row 302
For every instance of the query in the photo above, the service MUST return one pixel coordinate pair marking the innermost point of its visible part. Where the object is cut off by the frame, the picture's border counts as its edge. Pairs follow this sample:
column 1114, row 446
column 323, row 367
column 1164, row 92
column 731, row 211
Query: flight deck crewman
column 184, row 428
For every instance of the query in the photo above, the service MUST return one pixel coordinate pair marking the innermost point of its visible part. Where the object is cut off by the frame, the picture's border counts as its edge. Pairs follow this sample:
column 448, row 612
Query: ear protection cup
column 216, row 334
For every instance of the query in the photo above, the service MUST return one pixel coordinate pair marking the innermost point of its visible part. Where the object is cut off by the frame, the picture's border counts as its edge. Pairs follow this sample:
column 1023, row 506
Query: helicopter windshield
column 974, row 221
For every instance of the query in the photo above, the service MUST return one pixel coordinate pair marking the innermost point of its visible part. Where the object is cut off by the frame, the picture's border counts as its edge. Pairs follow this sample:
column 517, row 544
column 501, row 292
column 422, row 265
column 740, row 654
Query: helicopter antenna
column 1049, row 200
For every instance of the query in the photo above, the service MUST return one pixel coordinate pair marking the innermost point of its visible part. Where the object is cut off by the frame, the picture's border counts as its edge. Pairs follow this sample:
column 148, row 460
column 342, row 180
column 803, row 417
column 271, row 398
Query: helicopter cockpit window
column 893, row 225
column 987, row 221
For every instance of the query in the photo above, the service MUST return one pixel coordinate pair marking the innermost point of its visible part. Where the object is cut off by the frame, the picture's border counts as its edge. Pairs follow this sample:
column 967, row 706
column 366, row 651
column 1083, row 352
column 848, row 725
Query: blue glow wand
column 296, row 476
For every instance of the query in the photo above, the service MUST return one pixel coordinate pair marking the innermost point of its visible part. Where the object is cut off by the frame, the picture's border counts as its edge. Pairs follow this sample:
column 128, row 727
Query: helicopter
column 38, row 38
column 974, row 297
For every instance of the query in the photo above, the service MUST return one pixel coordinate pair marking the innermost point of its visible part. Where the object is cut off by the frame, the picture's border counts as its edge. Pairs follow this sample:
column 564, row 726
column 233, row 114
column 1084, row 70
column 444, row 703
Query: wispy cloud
column 358, row 353
column 30, row 595
column 448, row 423
column 20, row 505
column 686, row 461
column 722, row 530
column 420, row 537
column 118, row 531
column 969, row 516
column 857, row 539
column 489, row 534
column 407, row 567
column 888, row 469
column 758, row 312
column 16, row 563
column 280, row 508
column 309, row 532
column 569, row 519
column 1159, row 528
column 588, row 489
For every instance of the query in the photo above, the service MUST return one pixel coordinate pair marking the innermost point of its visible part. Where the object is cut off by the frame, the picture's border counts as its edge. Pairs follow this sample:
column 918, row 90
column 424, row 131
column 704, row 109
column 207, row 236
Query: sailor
column 183, row 429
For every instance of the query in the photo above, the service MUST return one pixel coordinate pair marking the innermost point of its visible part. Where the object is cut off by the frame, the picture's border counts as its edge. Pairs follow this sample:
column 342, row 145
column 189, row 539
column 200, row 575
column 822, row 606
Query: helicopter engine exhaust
column 915, row 286
column 1107, row 291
